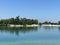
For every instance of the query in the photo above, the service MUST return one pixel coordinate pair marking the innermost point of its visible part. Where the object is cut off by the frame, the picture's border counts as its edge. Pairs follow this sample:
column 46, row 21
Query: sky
column 43, row 10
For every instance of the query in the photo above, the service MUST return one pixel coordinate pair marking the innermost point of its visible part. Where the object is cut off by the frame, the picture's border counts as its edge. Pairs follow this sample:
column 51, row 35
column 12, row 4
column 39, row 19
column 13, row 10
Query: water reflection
column 59, row 28
column 17, row 30
column 51, row 28
column 48, row 27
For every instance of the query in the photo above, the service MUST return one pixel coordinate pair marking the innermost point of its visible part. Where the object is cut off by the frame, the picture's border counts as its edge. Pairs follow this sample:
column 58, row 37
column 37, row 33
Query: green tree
column 58, row 22
column 17, row 20
column 11, row 21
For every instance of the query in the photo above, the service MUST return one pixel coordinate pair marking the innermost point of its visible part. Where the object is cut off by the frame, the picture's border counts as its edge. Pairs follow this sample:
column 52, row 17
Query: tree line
column 52, row 23
column 24, row 21
column 18, row 20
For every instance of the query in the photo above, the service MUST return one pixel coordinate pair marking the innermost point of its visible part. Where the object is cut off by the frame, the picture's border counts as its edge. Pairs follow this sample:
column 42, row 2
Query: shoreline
column 33, row 25
column 50, row 25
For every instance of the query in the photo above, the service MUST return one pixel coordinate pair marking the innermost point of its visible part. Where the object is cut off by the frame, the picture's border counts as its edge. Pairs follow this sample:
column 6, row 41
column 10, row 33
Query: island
column 47, row 23
column 25, row 22
column 19, row 22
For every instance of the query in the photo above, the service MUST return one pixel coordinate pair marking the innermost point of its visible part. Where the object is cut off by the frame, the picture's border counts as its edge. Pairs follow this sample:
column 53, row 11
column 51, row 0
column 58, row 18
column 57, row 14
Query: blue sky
column 43, row 10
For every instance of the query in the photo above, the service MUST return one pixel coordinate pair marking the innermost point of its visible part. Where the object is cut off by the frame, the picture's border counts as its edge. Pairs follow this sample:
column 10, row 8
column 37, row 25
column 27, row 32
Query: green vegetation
column 18, row 21
column 24, row 21
column 52, row 23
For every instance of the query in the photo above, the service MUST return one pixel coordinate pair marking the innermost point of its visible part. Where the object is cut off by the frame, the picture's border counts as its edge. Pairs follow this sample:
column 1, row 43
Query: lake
column 42, row 35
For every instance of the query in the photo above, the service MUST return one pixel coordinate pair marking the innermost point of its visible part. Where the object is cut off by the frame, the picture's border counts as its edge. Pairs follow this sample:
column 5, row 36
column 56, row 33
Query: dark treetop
column 18, row 20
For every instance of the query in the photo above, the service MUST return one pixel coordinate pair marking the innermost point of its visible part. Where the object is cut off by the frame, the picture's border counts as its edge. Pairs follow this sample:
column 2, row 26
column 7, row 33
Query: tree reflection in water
column 59, row 28
column 17, row 30
column 48, row 27
column 51, row 28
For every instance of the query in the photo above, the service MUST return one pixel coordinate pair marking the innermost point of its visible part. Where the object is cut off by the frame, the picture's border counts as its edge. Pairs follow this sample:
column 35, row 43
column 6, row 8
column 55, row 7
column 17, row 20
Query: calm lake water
column 30, row 36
